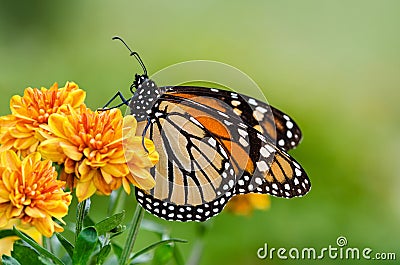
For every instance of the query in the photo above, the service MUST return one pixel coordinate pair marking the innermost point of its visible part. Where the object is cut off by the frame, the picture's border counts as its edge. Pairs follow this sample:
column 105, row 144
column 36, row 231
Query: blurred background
column 334, row 66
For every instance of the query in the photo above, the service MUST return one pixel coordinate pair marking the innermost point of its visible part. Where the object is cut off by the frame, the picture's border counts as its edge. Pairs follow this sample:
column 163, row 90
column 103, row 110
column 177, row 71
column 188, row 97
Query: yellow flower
column 137, row 158
column 6, row 244
column 244, row 204
column 20, row 131
column 90, row 145
column 30, row 192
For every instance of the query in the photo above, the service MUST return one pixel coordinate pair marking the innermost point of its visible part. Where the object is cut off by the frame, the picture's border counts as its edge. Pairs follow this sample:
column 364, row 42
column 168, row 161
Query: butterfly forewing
column 261, row 116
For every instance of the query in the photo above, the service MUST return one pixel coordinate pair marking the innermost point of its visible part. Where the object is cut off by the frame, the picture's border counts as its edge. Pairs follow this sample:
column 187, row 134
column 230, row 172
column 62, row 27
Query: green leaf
column 151, row 226
column 45, row 260
column 87, row 221
column 6, row 233
column 143, row 259
column 36, row 246
column 117, row 231
column 101, row 257
column 66, row 244
column 7, row 260
column 117, row 250
column 154, row 245
column 163, row 254
column 110, row 223
column 25, row 254
column 178, row 256
column 85, row 245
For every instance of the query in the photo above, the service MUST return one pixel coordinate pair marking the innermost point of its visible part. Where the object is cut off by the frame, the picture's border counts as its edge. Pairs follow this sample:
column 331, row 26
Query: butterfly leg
column 118, row 94
column 144, row 133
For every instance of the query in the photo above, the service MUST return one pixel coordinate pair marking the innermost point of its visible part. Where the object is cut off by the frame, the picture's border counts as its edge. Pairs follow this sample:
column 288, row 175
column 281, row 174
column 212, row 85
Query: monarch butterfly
column 213, row 144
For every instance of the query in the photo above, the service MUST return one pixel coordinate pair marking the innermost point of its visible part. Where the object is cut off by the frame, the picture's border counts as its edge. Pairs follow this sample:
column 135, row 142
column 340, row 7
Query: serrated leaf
column 110, row 223
column 101, row 257
column 66, row 244
column 157, row 244
column 7, row 260
column 85, row 245
column 32, row 243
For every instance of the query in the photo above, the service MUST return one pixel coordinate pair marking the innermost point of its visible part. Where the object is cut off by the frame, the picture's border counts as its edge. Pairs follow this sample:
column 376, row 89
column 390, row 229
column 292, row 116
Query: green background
column 334, row 66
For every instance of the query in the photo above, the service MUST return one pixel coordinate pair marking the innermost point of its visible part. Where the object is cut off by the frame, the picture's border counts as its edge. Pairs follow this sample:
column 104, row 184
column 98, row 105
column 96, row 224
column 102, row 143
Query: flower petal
column 71, row 151
column 84, row 190
column 51, row 149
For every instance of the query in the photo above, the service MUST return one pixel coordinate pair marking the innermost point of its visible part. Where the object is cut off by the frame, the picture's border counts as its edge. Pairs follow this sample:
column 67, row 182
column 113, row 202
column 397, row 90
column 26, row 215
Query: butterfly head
column 139, row 79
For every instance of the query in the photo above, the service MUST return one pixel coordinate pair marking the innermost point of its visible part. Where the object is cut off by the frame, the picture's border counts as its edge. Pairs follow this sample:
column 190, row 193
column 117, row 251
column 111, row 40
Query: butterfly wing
column 265, row 118
column 207, row 155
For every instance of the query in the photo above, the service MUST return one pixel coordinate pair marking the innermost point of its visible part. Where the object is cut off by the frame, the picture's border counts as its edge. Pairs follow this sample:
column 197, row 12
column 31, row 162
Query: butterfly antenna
column 135, row 54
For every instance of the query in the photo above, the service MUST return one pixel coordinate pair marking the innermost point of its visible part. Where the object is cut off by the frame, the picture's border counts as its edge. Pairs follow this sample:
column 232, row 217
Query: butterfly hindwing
column 194, row 178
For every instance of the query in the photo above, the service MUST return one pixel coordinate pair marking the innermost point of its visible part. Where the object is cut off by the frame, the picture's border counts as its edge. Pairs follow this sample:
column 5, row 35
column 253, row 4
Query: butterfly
column 213, row 144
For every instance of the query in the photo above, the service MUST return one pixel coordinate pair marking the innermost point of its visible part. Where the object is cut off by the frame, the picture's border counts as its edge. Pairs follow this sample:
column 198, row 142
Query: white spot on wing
column 262, row 166
column 235, row 103
column 212, row 142
column 243, row 142
column 242, row 132
column 228, row 122
column 252, row 101
column 223, row 114
column 258, row 115
column 264, row 152
column 258, row 181
column 261, row 109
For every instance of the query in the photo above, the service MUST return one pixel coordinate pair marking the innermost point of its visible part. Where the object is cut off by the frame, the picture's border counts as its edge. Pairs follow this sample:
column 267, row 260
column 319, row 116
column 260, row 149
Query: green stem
column 81, row 212
column 197, row 250
column 119, row 203
column 132, row 234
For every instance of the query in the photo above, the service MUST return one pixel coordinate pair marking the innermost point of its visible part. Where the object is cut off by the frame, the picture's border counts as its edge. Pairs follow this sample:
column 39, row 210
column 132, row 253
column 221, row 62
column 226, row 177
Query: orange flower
column 91, row 147
column 244, row 204
column 30, row 192
column 20, row 131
